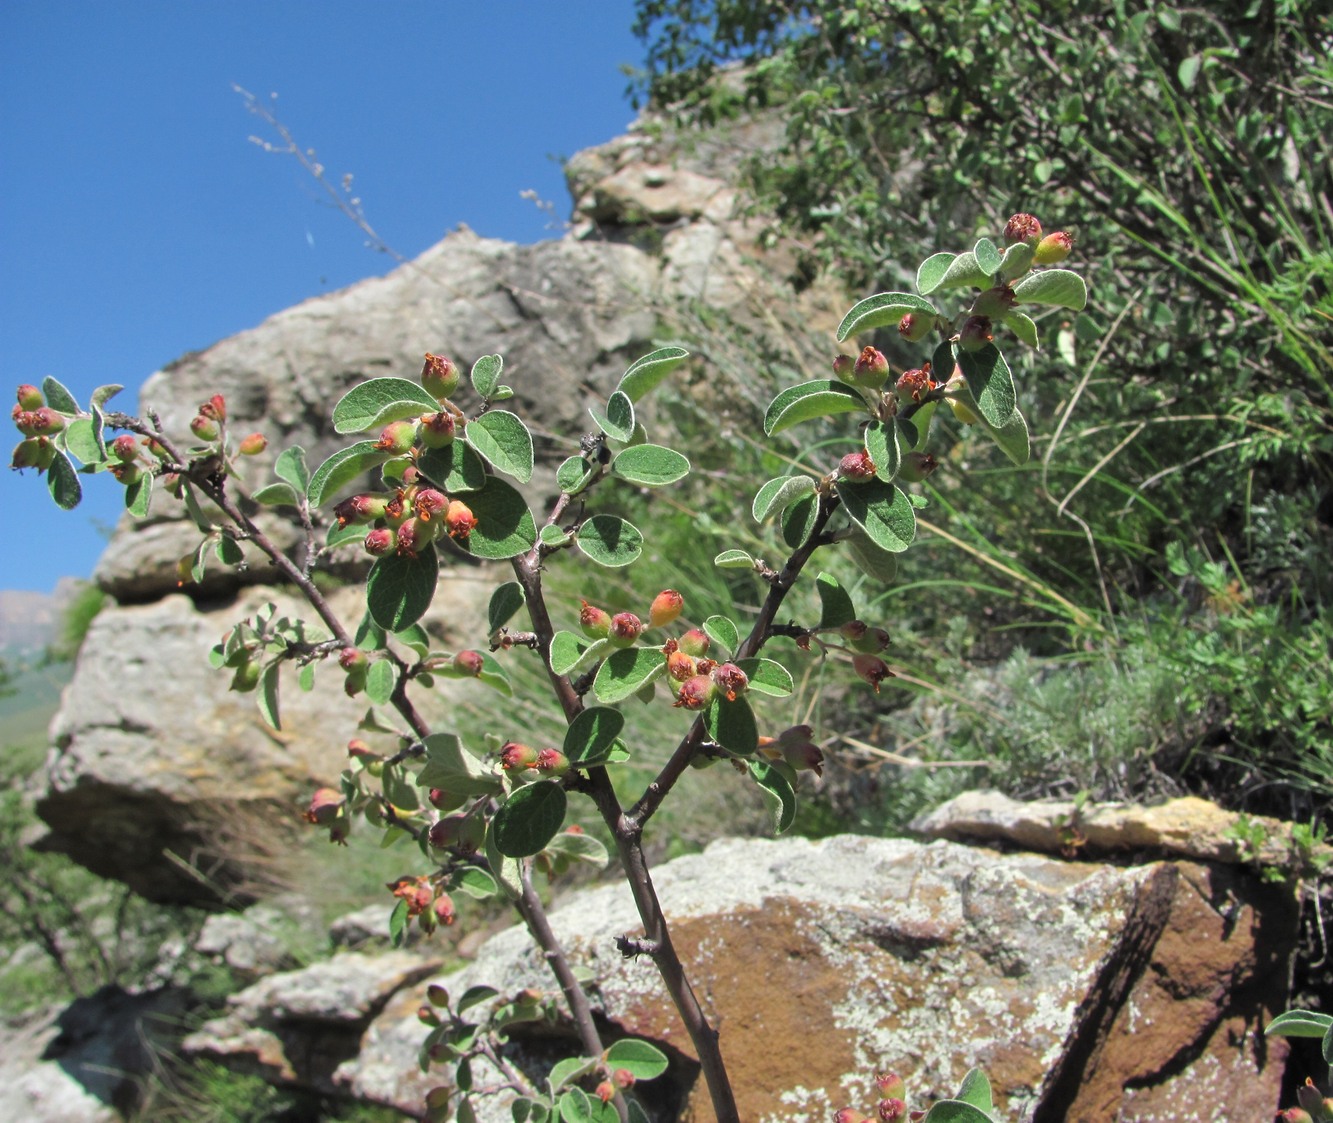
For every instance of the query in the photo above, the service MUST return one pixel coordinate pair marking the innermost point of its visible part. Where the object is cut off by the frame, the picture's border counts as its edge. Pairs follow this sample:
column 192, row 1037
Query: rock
column 1189, row 827
column 297, row 1027
column 162, row 778
column 1087, row 992
column 86, row 1063
column 253, row 943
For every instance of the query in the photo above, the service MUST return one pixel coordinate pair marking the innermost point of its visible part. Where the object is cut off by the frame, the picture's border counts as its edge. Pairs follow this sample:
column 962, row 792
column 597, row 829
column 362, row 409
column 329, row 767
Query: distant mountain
column 29, row 620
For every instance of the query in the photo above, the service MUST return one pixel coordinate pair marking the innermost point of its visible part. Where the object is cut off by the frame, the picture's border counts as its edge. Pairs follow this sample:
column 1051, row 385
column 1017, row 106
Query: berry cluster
column 405, row 520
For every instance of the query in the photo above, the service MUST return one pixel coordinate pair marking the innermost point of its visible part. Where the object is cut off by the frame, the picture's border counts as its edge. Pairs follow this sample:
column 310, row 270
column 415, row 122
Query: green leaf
column 369, row 635
column 505, row 601
column 398, row 922
column 882, row 443
column 822, row 398
column 955, row 1111
column 1300, row 1023
column 975, row 1090
column 1011, row 438
column 228, row 551
column 575, row 1106
column 874, row 562
column 644, row 374
column 573, row 475
column 61, row 479
column 475, row 996
column 57, row 397
column 778, row 792
column 914, row 432
column 965, row 272
column 883, row 310
column 723, row 632
column 798, row 521
column 453, row 468
column 991, row 383
column 1188, row 71
column 1017, row 260
column 1023, row 327
column 883, row 512
column 568, row 651
column 569, row 1069
column 1058, row 287
column 138, row 496
column 553, row 537
column 529, row 819
column 627, row 671
column 645, row 1061
column 342, row 535
column 342, row 468
column 579, row 848
column 280, row 495
column 415, row 638
column 291, row 466
column 399, row 588
column 503, row 440
column 379, row 401
column 267, row 696
column 505, row 526
column 591, row 734
column 835, row 604
column 931, row 272
column 733, row 559
column 81, row 438
column 609, row 540
column 453, row 768
column 732, row 725
column 988, row 257
column 493, row 675
column 777, row 494
column 617, row 421
column 485, row 375
column 305, row 678
column 476, row 883
column 380, row 681
column 768, row 677
column 104, row 394
column 650, row 465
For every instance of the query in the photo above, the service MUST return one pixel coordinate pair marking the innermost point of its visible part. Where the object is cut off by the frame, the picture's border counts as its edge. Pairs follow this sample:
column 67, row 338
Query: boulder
column 1087, row 992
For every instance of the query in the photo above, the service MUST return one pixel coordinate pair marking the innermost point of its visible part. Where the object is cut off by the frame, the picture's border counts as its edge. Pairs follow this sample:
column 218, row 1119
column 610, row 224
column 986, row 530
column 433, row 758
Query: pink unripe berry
column 915, row 326
column 352, row 658
column 1022, row 228
column 325, row 806
column 415, row 534
column 552, row 762
column 361, row 509
column 1053, row 249
column 856, row 467
column 871, row 668
column 1295, row 1115
column 439, row 798
column 994, row 302
column 891, row 1085
column 595, row 622
column 470, row 662
column 438, row 429
column 695, row 693
column 359, row 750
column 605, row 1091
column 204, row 428
column 623, row 1078
column 215, row 409
column 253, row 445
column 439, row 376
column 625, row 629
column 126, row 473
column 848, row 1115
column 915, row 384
column 666, row 606
column 891, row 1110
column 35, row 452
column 694, row 642
column 843, row 367
column 456, row 830
column 514, row 757
column 125, row 449
column 681, row 666
column 30, row 397
column 799, row 750
column 730, row 680
column 429, row 502
column 871, row 369
column 381, row 541
column 459, row 519
column 976, row 333
column 45, row 422
column 860, row 636
column 444, row 909
column 428, row 1017
column 398, row 437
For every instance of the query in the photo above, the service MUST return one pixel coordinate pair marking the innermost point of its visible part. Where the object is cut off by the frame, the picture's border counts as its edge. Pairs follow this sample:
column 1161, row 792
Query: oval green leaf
column 278, row 495
column 378, row 402
column 991, row 382
column 529, row 819
column 883, row 512
column 732, row 725
column 138, row 496
column 650, row 465
column 485, row 374
column 778, row 494
column 988, row 257
column 723, row 632
column 399, row 588
column 768, row 677
column 1012, row 438
column 882, row 310
column 591, row 734
column 451, row 767
column 645, row 1061
column 380, row 681
column 57, row 397
column 778, row 793
column 61, row 479
column 822, row 398
column 617, row 421
column 505, row 527
column 82, row 439
column 1060, row 288
column 882, row 443
column 626, row 672
column 342, row 468
column 453, row 468
column 291, row 466
column 569, row 651
column 1017, row 260
column 609, row 540
column 505, row 601
column 931, row 272
column 503, row 440
column 835, row 603
column 798, row 521
column 733, row 559
column 965, row 272
column 644, row 374
column 875, row 563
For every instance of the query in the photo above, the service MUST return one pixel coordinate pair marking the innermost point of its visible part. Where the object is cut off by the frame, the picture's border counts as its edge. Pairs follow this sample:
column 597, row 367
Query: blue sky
column 139, row 222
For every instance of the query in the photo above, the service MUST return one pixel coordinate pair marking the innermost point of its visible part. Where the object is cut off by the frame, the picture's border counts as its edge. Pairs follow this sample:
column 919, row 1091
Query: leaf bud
column 665, row 608
column 470, row 662
column 871, row 668
column 695, row 693
column 437, row 429
column 681, row 666
column 731, row 680
column 1053, row 249
column 361, row 509
column 125, row 449
column 459, row 519
column 380, row 541
column 30, row 397
column 253, row 445
column 871, row 369
column 976, row 333
column 552, row 762
column 1022, row 228
column 515, row 757
column 915, row 326
column 398, row 437
column 204, row 428
column 625, row 629
column 856, row 467
column 694, row 642
column 916, row 466
column 593, row 621
column 359, row 750
column 915, row 384
column 439, row 376
column 994, row 302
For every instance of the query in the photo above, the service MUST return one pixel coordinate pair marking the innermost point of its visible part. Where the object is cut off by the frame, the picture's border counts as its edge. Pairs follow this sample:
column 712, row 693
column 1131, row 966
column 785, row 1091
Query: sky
column 138, row 221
